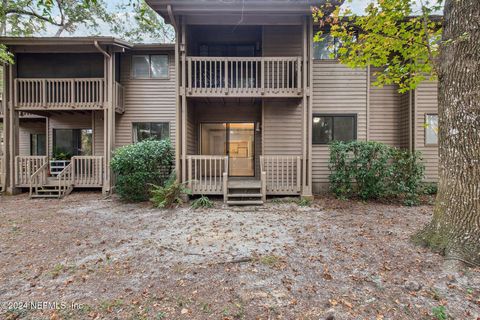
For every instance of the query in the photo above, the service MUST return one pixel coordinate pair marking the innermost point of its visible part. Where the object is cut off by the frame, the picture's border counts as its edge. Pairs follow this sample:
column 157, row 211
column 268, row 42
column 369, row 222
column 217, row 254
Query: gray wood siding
column 146, row 100
column 426, row 102
column 340, row 90
column 98, row 133
column 26, row 128
column 282, row 127
column 386, row 114
column 282, row 41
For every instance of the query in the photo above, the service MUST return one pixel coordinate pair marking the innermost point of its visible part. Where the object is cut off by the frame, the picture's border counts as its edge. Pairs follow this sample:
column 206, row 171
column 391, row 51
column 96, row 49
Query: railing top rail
column 59, row 79
column 206, row 157
column 31, row 157
column 87, row 157
column 197, row 58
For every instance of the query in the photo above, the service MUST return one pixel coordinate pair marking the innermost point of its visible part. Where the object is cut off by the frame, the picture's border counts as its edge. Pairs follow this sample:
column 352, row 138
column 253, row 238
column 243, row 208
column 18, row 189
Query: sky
column 357, row 6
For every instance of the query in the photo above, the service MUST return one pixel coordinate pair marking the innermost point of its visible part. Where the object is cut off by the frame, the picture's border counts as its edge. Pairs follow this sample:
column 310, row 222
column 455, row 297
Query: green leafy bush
column 373, row 170
column 141, row 165
column 202, row 202
column 169, row 195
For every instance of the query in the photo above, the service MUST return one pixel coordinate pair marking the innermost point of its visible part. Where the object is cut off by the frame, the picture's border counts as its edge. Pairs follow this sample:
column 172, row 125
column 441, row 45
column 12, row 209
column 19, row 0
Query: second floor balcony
column 50, row 94
column 267, row 77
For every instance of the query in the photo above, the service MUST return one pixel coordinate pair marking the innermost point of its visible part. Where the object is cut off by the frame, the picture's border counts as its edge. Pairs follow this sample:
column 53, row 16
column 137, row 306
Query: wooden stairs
column 51, row 189
column 244, row 193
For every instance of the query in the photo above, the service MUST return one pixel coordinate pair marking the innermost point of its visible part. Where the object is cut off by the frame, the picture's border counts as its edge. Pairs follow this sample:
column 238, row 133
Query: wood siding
column 98, row 133
column 426, row 102
column 282, row 127
column 282, row 41
column 387, row 114
column 339, row 90
column 26, row 128
column 146, row 100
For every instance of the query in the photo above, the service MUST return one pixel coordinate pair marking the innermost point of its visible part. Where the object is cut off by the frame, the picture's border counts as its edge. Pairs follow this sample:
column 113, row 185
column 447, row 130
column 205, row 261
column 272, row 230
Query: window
column 327, row 128
column 150, row 130
column 38, row 144
column 327, row 48
column 72, row 142
column 150, row 66
column 431, row 129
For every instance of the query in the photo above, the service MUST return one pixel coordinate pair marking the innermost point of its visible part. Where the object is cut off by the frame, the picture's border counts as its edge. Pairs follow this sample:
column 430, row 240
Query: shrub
column 169, row 195
column 373, row 170
column 141, row 165
column 202, row 202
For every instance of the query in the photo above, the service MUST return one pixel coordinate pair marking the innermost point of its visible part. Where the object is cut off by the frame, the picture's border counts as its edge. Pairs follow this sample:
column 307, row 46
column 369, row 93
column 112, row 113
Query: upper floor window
column 327, row 48
column 150, row 130
column 327, row 128
column 431, row 129
column 150, row 66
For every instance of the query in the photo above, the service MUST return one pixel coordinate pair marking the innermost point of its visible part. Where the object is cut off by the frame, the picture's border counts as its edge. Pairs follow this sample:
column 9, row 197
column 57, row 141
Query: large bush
column 373, row 170
column 141, row 165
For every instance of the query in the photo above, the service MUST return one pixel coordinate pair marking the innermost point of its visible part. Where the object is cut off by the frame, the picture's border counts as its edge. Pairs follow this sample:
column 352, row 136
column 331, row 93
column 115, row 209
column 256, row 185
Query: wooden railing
column 83, row 172
column 38, row 179
column 26, row 166
column 207, row 174
column 65, row 180
column 69, row 93
column 119, row 98
column 282, row 174
column 256, row 76
column 88, row 171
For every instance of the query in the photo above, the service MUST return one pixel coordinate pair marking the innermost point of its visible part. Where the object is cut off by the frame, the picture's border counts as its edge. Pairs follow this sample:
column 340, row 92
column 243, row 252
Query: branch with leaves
column 390, row 35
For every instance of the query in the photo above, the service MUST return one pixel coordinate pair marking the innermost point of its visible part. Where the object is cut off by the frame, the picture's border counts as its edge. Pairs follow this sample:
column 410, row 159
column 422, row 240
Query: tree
column 411, row 46
column 29, row 17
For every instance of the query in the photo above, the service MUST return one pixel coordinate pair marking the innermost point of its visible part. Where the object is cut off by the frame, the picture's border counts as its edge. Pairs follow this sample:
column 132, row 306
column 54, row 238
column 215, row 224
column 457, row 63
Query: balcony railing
column 244, row 77
column 281, row 174
column 69, row 93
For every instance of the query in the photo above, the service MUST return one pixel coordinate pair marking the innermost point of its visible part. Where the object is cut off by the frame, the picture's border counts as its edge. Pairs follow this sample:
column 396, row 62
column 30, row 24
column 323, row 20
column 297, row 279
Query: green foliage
column 169, row 195
column 202, row 202
column 440, row 313
column 141, row 165
column 390, row 35
column 304, row 202
column 430, row 188
column 373, row 170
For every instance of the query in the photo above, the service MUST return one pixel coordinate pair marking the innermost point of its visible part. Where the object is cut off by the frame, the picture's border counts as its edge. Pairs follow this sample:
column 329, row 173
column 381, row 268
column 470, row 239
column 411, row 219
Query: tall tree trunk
column 455, row 227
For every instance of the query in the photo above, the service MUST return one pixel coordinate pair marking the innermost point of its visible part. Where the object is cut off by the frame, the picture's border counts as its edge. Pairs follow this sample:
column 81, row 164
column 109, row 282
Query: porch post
column 109, row 120
column 11, row 139
column 306, row 159
column 184, row 104
column 3, row 151
column 177, row 105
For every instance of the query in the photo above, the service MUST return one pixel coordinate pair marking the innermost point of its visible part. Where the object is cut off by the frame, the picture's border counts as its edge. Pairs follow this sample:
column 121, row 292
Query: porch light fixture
column 258, row 127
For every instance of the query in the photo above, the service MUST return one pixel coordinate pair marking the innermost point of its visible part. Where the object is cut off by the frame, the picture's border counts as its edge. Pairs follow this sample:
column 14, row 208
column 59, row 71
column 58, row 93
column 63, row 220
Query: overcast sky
column 357, row 6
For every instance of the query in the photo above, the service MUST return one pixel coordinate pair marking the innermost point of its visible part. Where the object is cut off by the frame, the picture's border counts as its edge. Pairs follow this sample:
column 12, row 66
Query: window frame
column 426, row 144
column 133, row 123
column 133, row 77
column 333, row 115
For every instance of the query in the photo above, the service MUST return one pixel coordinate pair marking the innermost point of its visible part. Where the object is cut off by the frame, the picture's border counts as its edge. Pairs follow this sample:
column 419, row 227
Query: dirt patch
column 101, row 258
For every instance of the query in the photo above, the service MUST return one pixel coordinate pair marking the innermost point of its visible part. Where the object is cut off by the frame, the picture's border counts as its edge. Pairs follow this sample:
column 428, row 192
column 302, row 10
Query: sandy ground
column 85, row 257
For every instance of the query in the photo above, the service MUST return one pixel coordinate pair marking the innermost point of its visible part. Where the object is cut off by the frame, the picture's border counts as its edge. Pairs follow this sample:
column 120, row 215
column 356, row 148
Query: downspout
column 105, row 53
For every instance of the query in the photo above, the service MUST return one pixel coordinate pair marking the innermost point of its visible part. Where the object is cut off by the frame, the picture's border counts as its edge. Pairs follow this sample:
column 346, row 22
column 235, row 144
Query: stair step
column 245, row 203
column 44, row 196
column 244, row 195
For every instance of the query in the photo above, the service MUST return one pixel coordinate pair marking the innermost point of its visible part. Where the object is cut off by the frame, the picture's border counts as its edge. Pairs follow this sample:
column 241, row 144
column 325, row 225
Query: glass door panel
column 241, row 149
column 214, row 139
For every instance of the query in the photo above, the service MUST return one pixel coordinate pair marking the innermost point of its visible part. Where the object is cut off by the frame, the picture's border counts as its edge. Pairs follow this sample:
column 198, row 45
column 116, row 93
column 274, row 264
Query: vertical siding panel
column 426, row 103
column 337, row 89
column 146, row 100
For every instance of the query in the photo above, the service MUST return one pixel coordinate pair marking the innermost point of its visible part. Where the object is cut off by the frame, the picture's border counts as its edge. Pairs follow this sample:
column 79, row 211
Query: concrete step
column 45, row 196
column 245, row 202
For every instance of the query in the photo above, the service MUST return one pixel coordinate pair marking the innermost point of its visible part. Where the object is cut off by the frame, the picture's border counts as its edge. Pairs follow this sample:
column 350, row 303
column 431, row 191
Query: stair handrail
column 65, row 179
column 37, row 180
column 263, row 179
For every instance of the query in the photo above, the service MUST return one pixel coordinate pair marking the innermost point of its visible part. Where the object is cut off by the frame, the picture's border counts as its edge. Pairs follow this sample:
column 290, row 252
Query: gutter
column 95, row 43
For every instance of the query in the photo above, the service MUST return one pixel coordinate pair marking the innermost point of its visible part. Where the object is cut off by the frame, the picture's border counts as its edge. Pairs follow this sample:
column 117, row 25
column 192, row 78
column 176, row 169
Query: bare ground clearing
column 349, row 260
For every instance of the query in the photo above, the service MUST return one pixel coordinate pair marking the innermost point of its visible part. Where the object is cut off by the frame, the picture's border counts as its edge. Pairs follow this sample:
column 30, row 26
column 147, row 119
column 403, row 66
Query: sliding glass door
column 237, row 140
